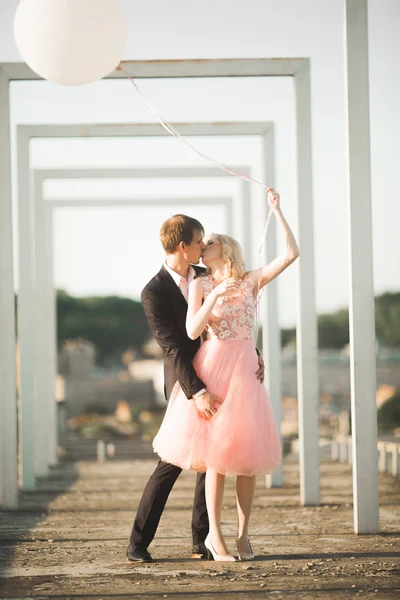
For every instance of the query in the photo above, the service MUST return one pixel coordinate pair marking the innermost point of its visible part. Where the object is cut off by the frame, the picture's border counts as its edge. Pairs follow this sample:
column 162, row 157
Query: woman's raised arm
column 280, row 263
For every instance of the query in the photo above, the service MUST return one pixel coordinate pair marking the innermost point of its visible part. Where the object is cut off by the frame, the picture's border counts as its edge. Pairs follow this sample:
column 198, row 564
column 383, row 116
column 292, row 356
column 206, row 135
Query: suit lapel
column 170, row 284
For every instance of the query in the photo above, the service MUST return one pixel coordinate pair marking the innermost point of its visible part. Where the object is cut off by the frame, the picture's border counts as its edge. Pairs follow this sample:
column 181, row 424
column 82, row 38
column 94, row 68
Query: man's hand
column 207, row 404
column 261, row 368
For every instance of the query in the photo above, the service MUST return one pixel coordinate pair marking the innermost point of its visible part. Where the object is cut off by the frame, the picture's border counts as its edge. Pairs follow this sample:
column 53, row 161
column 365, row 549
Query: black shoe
column 138, row 553
column 200, row 551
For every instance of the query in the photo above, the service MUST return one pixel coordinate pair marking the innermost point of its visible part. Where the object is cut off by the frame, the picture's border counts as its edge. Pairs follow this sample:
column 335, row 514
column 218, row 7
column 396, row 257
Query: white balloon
column 70, row 42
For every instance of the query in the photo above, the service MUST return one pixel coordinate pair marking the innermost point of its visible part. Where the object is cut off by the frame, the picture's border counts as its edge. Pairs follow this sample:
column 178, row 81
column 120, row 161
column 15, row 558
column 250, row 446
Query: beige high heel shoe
column 218, row 557
column 245, row 555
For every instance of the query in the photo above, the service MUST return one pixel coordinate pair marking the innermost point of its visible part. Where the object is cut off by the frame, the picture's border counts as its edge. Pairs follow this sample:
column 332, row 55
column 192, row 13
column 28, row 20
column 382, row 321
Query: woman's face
column 212, row 251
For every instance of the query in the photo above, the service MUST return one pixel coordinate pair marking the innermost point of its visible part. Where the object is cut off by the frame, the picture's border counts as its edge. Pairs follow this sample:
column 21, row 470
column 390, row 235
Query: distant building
column 76, row 359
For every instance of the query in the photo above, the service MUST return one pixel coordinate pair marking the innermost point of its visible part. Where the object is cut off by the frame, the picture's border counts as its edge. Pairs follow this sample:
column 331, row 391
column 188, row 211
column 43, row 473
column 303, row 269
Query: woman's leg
column 214, row 497
column 245, row 487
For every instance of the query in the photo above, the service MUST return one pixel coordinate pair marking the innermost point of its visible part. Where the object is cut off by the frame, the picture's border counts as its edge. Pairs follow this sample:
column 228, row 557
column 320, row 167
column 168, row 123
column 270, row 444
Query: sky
column 116, row 250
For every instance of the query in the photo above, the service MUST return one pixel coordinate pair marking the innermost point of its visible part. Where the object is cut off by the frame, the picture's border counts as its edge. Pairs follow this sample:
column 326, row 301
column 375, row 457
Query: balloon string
column 175, row 133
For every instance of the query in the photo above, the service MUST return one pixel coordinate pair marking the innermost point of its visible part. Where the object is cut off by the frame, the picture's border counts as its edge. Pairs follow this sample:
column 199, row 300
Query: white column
column 245, row 198
column 8, row 400
column 51, row 332
column 335, row 450
column 26, row 314
column 307, row 347
column 383, row 457
column 343, row 449
column 395, row 459
column 41, row 308
column 362, row 323
column 229, row 218
column 270, row 316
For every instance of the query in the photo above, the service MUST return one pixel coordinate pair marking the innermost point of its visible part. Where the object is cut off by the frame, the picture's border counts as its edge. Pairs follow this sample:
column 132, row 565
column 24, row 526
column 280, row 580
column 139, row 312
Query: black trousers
column 153, row 501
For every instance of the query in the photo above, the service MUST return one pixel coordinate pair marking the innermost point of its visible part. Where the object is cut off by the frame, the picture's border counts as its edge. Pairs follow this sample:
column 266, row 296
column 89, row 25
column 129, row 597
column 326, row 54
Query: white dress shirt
column 181, row 282
column 183, row 285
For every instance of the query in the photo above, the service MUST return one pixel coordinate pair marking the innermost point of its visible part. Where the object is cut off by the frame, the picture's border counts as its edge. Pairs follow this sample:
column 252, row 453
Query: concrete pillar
column 8, row 400
column 101, row 451
column 343, row 449
column 394, row 448
column 229, row 223
column 349, row 451
column 344, row 423
column 269, row 308
column 383, row 457
column 246, row 213
column 307, row 346
column 335, row 450
column 51, row 332
column 26, row 315
column 362, row 323
column 41, row 308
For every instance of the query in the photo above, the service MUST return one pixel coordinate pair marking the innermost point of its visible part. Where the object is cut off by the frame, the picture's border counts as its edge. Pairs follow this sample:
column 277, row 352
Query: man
column 164, row 301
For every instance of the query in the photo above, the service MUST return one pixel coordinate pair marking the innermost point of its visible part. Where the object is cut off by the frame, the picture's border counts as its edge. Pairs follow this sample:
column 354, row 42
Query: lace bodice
column 232, row 317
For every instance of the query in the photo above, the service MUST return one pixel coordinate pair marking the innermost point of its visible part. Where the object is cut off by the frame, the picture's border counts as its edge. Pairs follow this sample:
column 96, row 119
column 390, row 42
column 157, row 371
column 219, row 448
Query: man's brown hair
column 177, row 229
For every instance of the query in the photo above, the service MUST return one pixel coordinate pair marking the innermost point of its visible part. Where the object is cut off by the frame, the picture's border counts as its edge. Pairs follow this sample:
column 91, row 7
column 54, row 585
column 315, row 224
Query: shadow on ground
column 16, row 526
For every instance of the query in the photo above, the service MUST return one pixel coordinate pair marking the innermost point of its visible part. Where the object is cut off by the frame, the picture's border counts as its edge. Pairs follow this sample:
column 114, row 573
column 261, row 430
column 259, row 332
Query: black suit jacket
column 165, row 309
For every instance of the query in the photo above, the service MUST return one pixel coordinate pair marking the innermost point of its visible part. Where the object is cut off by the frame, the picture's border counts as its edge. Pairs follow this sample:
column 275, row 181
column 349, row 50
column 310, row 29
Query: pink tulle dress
column 242, row 438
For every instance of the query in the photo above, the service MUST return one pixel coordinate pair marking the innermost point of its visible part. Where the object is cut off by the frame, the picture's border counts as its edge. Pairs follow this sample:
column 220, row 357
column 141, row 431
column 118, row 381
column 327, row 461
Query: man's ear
column 182, row 246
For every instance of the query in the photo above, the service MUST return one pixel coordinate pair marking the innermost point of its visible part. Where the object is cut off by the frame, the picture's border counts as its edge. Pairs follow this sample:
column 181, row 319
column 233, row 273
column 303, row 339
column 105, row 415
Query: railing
column 341, row 450
column 101, row 451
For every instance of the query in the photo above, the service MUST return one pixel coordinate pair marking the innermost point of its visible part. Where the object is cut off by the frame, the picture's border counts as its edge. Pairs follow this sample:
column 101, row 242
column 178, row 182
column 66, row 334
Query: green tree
column 389, row 413
column 333, row 329
column 387, row 318
column 111, row 323
column 288, row 336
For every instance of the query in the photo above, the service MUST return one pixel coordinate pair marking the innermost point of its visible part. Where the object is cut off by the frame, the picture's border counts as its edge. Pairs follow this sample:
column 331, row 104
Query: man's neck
column 178, row 264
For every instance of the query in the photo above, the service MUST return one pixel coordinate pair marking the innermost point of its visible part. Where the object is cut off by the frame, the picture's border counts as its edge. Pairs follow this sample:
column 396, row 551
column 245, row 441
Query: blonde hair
column 231, row 254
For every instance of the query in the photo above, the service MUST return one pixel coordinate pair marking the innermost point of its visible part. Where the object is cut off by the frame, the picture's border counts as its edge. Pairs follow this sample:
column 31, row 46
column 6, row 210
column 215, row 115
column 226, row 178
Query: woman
column 242, row 437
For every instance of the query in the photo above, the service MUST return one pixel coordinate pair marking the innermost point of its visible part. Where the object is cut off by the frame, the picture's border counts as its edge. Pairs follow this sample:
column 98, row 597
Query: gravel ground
column 68, row 540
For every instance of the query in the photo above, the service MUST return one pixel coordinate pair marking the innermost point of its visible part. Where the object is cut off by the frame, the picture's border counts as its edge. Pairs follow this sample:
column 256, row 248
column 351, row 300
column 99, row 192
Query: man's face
column 194, row 251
